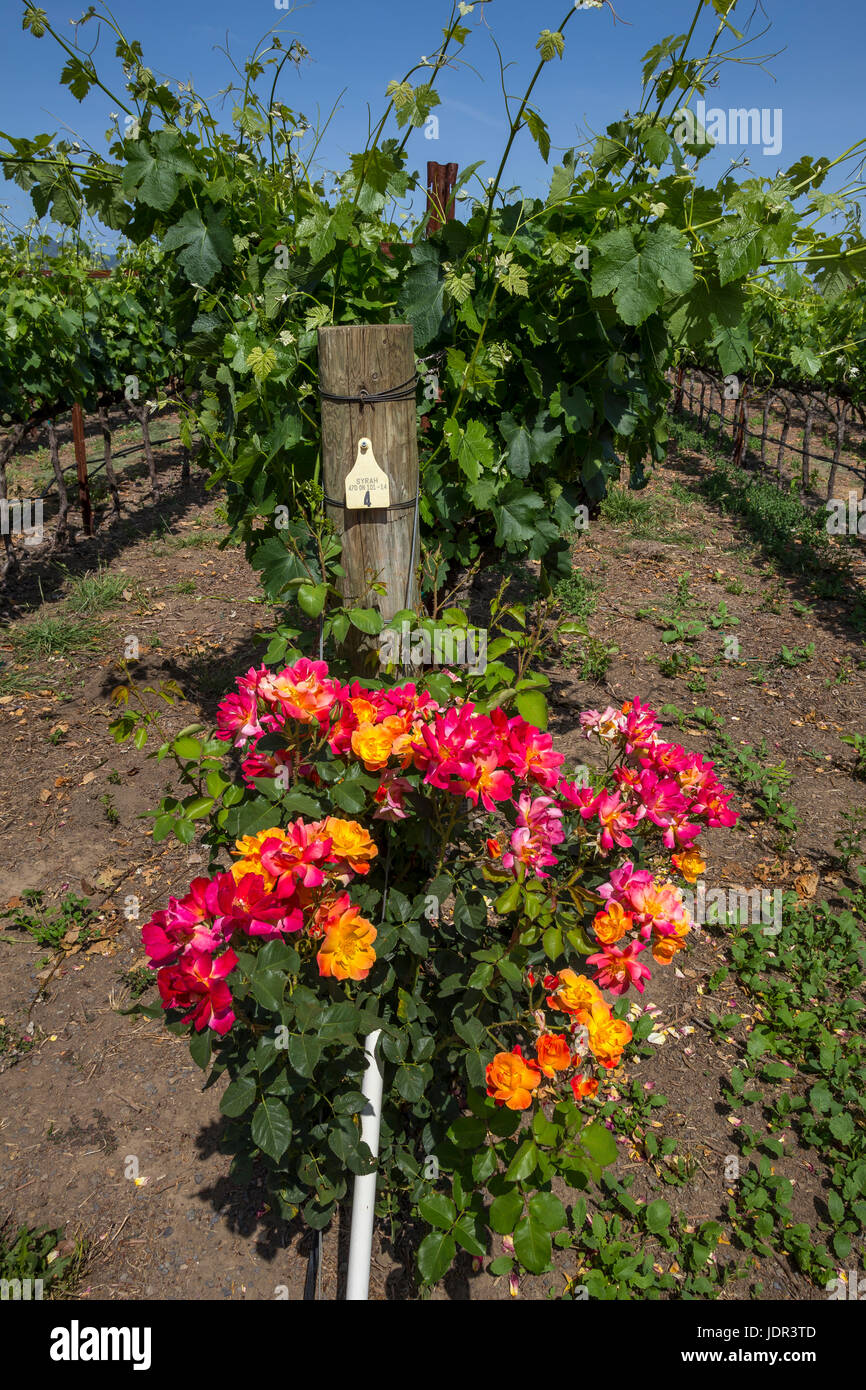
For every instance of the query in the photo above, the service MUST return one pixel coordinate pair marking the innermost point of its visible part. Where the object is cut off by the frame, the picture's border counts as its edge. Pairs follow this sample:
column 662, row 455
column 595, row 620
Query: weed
column 849, row 844
column 41, row 1254
column 576, row 593
column 94, row 593
column 49, row 925
column 47, row 636
column 622, row 507
column 858, row 743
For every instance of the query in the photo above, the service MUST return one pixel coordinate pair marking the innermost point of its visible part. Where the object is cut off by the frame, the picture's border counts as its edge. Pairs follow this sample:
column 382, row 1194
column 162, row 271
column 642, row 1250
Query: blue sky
column 815, row 80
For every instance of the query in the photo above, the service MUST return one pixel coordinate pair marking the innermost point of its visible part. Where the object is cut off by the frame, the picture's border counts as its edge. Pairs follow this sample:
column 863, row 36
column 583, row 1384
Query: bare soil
column 104, row 1126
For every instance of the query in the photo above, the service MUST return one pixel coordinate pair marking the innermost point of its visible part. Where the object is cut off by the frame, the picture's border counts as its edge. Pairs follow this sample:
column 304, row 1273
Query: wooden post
column 678, row 398
column 81, row 466
column 784, row 439
column 841, row 418
column 441, row 179
column 765, row 427
column 807, row 447
column 740, row 433
column 379, row 545
column 61, row 533
column 109, row 466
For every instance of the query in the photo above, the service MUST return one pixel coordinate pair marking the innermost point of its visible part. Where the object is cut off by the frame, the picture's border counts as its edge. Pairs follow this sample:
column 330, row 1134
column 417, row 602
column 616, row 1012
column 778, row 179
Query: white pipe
column 364, row 1192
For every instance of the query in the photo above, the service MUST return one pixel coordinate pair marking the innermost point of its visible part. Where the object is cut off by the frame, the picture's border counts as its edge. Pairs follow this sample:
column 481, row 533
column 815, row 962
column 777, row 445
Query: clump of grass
column 94, row 592
column 47, row 636
column 15, row 682
column 622, row 507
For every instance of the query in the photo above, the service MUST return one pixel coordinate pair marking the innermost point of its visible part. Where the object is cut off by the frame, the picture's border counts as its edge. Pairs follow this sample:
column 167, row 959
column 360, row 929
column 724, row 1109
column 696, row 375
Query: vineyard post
column 678, row 398
column 109, row 466
column 61, row 531
column 379, row 544
column 740, row 435
column 841, row 418
column 441, row 179
column 81, row 468
column 807, row 445
column 765, row 429
column 784, row 439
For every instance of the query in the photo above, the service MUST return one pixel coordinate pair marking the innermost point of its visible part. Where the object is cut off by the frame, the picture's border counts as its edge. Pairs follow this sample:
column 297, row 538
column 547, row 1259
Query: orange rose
column 372, row 744
column 349, row 842
column 553, row 1053
column 689, row 863
column 574, row 994
column 364, row 712
column 664, row 948
column 612, row 923
column 347, row 950
column 584, row 1086
column 607, row 1035
column 511, row 1079
column 250, row 849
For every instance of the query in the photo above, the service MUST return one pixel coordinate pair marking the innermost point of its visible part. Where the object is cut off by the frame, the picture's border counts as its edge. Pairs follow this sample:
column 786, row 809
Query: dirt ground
column 104, row 1127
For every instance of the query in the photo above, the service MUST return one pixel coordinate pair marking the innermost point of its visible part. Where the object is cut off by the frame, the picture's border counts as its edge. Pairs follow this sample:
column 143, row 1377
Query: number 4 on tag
column 366, row 484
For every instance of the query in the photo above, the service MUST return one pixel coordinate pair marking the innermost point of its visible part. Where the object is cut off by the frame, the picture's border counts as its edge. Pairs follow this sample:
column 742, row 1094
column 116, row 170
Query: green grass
column 622, row 507
column 16, row 683
column 46, row 636
column 94, row 593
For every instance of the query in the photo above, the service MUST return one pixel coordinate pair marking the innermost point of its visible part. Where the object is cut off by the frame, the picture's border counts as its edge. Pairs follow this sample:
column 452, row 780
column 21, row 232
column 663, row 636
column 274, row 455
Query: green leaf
column 505, row 1212
column 532, row 706
column 539, row 132
column 466, row 1233
column 420, row 299
column 268, row 987
column 842, row 1127
column 435, row 1254
column 272, row 1128
column 471, row 447
column 658, row 1217
column 438, row 1210
column 638, row 275
column 523, row 1162
column 203, row 244
column 599, row 1143
column 238, row 1096
column 550, row 44
column 152, row 175
column 200, row 1047
column 532, row 1245
column 367, row 620
column 304, row 1050
column 311, row 598
column 547, row 1211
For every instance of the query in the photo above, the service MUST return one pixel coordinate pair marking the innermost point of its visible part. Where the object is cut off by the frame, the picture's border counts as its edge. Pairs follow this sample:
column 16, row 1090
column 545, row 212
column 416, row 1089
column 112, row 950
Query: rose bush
column 428, row 870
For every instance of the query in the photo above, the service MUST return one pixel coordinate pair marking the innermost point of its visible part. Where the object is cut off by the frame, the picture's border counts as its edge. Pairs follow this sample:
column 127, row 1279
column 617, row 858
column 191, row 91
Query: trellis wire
column 741, row 433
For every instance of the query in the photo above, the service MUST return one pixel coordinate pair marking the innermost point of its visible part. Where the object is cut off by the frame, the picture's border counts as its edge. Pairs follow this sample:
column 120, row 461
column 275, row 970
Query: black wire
column 404, row 392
